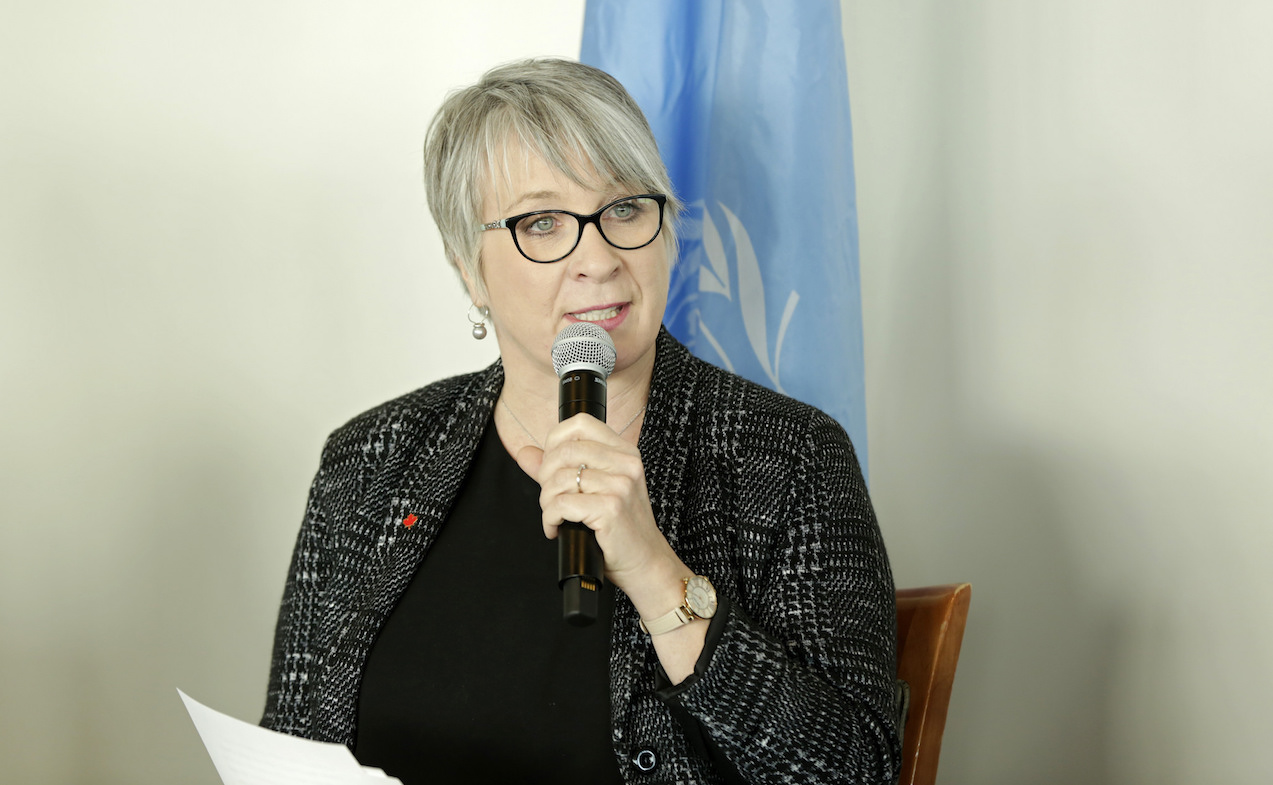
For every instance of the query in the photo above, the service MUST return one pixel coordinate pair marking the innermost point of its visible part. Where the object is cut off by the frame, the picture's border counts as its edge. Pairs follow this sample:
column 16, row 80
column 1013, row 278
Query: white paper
column 247, row 754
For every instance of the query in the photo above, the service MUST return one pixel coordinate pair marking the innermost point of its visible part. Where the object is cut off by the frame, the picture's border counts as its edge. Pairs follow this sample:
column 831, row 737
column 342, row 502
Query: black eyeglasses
column 551, row 235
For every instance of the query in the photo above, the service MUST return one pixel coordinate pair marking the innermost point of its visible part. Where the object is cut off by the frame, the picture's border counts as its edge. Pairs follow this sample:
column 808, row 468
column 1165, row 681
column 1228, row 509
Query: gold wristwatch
column 699, row 603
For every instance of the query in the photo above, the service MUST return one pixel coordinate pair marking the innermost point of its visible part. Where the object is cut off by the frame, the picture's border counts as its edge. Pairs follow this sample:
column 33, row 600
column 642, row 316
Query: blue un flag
column 749, row 101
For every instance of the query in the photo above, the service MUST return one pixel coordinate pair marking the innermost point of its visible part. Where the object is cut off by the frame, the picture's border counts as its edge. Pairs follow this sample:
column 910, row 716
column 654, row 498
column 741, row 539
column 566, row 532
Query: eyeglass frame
column 510, row 224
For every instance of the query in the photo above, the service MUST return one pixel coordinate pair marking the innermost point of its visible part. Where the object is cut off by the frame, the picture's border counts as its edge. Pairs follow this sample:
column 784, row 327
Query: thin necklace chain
column 518, row 420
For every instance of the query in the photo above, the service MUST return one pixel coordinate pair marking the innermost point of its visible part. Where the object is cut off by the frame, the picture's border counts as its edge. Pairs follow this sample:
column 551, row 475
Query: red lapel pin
column 409, row 521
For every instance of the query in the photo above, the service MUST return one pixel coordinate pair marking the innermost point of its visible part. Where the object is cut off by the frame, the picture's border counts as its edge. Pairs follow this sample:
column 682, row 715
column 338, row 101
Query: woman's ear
column 469, row 283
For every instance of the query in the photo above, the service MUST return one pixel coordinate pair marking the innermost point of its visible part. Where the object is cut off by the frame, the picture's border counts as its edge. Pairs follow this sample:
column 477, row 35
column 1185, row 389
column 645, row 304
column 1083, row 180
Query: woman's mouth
column 599, row 315
column 607, row 317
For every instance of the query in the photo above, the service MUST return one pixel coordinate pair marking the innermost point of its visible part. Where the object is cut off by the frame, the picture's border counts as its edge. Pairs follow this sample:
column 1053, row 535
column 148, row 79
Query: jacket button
column 645, row 760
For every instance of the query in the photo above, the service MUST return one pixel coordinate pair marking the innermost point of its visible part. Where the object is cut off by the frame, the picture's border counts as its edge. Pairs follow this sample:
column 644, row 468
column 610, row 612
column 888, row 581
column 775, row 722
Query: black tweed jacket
column 760, row 493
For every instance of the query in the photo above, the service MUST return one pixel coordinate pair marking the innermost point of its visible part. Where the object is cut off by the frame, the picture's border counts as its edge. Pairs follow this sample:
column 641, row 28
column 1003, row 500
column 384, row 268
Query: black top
column 475, row 677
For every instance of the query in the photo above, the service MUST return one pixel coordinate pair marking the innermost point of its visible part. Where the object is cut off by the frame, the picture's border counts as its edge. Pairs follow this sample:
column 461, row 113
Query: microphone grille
column 583, row 345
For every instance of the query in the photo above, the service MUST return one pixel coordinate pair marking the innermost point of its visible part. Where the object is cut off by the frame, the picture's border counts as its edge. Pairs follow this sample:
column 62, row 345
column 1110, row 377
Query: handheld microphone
column 583, row 357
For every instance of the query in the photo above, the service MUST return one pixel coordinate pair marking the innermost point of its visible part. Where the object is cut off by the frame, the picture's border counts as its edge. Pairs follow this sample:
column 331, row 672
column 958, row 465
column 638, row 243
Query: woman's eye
column 623, row 210
column 539, row 224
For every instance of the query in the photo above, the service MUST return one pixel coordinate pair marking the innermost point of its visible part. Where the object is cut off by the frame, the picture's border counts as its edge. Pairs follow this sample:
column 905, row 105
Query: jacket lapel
column 420, row 491
column 664, row 454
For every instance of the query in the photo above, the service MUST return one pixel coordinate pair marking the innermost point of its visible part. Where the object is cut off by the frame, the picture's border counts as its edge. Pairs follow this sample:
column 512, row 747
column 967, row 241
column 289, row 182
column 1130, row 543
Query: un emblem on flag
column 737, row 327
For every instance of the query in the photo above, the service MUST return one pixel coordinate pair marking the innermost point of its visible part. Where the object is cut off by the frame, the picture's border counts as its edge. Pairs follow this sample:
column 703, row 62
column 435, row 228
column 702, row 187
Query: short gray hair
column 566, row 112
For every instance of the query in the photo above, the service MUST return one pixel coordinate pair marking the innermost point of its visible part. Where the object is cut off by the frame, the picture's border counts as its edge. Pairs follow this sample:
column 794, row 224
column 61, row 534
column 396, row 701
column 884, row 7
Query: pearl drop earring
column 479, row 324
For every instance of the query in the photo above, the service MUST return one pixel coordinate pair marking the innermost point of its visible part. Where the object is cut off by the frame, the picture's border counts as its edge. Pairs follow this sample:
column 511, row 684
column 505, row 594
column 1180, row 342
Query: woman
column 421, row 621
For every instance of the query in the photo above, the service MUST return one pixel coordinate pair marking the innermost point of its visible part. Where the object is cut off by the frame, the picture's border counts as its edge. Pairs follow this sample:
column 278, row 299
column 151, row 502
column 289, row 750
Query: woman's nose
column 593, row 257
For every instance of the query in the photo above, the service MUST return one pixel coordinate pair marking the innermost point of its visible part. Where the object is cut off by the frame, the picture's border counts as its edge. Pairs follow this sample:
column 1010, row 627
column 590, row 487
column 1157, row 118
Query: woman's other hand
column 609, row 496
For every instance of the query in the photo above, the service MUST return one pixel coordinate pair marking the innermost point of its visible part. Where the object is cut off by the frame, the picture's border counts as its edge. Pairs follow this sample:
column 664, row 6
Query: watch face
column 700, row 595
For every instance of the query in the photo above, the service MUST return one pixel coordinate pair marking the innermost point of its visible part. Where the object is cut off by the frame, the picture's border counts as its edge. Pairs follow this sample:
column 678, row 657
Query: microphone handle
column 580, row 563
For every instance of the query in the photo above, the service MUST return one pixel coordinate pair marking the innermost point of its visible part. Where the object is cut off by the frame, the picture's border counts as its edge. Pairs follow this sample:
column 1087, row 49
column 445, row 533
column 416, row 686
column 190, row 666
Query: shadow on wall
column 1031, row 696
column 182, row 604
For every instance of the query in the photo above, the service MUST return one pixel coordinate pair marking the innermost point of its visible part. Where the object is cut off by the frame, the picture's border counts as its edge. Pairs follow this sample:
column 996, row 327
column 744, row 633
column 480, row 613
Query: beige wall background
column 214, row 249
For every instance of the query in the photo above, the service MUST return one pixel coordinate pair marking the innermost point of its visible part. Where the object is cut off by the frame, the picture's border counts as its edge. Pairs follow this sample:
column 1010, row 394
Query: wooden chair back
column 930, row 630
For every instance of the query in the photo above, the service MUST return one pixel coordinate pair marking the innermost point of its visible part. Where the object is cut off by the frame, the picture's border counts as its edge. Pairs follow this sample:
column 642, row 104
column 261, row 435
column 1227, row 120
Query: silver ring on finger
column 579, row 477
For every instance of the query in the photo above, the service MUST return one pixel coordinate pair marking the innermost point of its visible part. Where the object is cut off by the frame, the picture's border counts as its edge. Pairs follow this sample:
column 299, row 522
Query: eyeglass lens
column 548, row 236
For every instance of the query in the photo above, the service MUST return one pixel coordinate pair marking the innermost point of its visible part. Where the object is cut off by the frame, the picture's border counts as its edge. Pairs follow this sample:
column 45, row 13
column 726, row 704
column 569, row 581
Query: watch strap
column 677, row 617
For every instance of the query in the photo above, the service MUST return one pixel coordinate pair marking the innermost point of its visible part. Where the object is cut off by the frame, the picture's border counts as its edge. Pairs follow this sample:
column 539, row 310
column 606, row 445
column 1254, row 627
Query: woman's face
column 624, row 292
